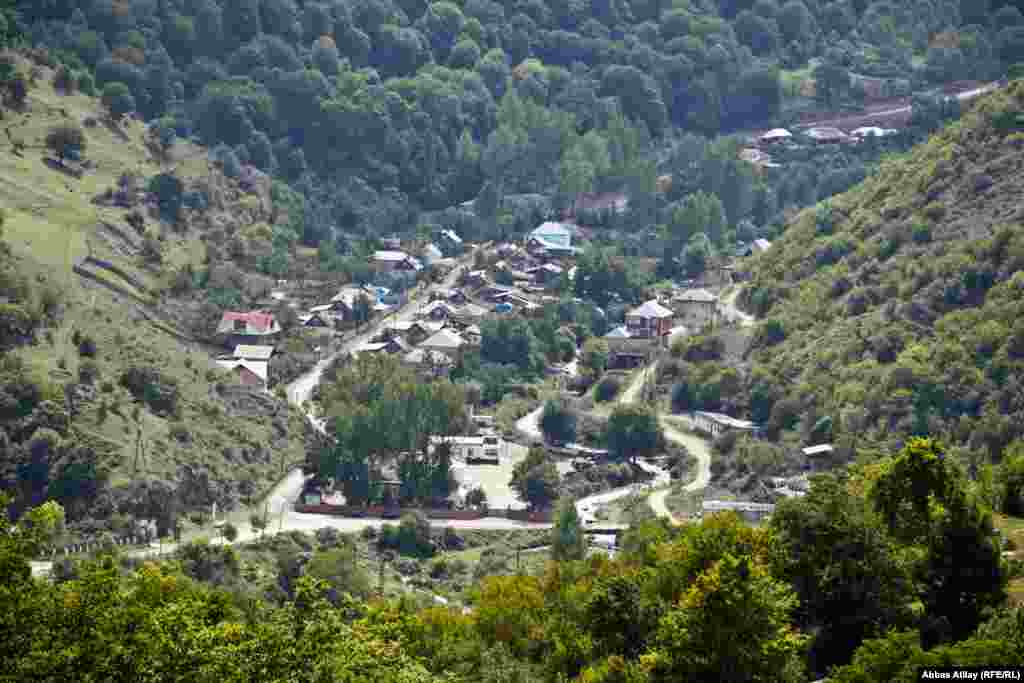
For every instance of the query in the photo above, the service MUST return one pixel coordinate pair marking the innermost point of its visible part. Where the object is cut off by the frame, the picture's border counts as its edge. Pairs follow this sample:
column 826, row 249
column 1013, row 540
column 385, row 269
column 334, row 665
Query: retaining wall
column 380, row 511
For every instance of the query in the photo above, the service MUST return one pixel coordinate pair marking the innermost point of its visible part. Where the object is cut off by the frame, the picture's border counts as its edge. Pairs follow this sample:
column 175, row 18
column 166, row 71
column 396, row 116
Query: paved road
column 301, row 389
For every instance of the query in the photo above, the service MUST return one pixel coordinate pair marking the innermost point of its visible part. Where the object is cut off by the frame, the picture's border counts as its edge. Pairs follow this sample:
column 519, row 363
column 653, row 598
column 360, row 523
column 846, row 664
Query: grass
column 50, row 224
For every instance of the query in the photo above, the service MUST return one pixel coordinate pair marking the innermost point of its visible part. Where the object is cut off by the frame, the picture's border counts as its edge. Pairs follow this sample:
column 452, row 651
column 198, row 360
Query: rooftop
column 390, row 256
column 444, row 339
column 817, row 450
column 253, row 352
column 651, row 309
column 697, row 296
column 727, row 420
column 258, row 368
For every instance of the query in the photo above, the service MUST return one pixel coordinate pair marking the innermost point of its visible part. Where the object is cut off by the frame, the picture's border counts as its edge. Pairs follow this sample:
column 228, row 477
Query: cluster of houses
column 758, row 153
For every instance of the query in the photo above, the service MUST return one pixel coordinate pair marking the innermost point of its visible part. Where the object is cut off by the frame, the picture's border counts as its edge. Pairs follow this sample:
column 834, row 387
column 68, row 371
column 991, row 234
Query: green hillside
column 896, row 308
column 72, row 428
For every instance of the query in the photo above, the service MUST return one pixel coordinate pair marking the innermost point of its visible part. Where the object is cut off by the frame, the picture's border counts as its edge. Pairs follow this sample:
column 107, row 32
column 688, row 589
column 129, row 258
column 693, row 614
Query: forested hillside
column 377, row 109
column 895, row 309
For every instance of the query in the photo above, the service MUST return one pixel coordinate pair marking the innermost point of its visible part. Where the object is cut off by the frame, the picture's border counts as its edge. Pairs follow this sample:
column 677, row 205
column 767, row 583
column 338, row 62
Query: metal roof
column 253, row 352
column 651, row 309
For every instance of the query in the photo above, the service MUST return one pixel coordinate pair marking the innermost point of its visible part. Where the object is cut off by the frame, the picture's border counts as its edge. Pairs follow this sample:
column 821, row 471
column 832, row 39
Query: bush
column 86, row 347
column 86, row 84
column 149, row 386
column 88, row 372
column 64, row 80
column 607, row 389
column 66, row 140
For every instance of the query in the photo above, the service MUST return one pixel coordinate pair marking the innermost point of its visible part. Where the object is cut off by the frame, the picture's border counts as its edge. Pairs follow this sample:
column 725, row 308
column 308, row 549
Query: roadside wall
column 380, row 511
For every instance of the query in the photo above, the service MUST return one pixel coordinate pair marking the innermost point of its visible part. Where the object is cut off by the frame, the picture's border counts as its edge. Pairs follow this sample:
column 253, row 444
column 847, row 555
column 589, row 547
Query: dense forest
column 377, row 110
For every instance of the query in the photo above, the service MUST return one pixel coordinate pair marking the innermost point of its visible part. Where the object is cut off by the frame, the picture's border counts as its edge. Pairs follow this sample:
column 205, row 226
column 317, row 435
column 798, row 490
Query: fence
column 91, row 546
column 384, row 512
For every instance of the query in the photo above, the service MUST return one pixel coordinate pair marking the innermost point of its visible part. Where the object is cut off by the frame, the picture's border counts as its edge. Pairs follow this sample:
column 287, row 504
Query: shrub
column 607, row 389
column 66, row 140
column 64, row 80
column 86, row 347
column 149, row 386
column 921, row 233
column 117, row 98
column 86, row 84
column 88, row 372
column 825, row 219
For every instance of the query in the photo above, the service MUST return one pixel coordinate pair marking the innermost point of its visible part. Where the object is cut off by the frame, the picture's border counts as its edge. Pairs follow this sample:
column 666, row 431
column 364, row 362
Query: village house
column 389, row 346
column 473, row 448
column 608, row 203
column 550, row 238
column 787, row 487
column 445, row 341
column 414, row 331
column 315, row 319
column 247, row 372
column 245, row 328
column 818, row 458
column 719, row 423
column 437, row 310
column 431, row 254
column 546, row 275
column 262, row 354
column 476, row 278
column 827, row 135
column 472, row 335
column 455, row 297
column 758, row 246
column 471, row 313
column 649, row 320
column 430, row 364
column 695, row 307
column 392, row 242
column 395, row 261
column 775, row 136
column 450, row 242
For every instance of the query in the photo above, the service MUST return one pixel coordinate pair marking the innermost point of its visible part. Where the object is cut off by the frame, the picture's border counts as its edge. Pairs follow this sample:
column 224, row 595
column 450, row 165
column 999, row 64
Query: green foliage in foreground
column 714, row 601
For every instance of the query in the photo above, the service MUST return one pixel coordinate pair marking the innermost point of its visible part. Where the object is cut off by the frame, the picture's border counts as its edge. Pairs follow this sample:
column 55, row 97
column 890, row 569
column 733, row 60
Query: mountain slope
column 897, row 308
column 74, row 430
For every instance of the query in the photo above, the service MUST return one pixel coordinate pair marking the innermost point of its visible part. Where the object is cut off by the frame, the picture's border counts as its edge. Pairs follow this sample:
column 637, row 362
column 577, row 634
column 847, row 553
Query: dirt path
column 728, row 303
column 856, row 120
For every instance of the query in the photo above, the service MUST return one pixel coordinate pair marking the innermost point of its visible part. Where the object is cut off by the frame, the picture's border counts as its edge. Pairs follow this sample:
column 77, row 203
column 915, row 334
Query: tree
column 847, row 572
column 66, row 140
column 361, row 309
column 258, row 522
column 732, row 624
column 831, row 79
column 118, row 100
column 476, row 497
column 1011, row 480
column 339, row 567
column 594, row 359
column 568, row 540
column 230, row 532
column 535, row 479
column 558, row 423
column 633, row 432
column 923, row 500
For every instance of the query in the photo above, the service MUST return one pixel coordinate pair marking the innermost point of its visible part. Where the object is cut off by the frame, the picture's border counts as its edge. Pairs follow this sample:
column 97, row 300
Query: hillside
column 117, row 407
column 895, row 309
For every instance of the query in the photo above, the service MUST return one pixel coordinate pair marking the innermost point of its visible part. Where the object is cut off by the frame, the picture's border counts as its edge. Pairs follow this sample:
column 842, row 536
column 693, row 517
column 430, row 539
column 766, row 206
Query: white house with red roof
column 247, row 328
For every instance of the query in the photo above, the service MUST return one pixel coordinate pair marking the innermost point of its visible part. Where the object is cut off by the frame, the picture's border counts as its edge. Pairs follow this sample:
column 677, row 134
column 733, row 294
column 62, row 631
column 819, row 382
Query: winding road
column 660, row 486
